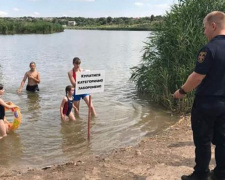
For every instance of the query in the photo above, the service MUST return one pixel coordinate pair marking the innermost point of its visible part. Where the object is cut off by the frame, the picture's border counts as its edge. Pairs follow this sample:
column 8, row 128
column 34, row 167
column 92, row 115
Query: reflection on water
column 33, row 105
column 123, row 117
column 73, row 138
column 11, row 150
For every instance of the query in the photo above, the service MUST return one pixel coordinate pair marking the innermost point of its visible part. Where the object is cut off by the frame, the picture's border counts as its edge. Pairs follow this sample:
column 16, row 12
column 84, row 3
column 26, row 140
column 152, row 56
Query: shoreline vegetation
column 135, row 27
column 169, row 55
column 9, row 27
column 32, row 25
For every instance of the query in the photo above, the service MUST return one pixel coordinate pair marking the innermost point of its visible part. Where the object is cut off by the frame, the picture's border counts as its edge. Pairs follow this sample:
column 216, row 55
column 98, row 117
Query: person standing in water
column 3, row 125
column 33, row 79
column 67, row 105
column 72, row 78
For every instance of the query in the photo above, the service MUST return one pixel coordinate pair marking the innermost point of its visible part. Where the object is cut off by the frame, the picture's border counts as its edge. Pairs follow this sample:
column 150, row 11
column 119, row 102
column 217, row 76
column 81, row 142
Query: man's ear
column 214, row 26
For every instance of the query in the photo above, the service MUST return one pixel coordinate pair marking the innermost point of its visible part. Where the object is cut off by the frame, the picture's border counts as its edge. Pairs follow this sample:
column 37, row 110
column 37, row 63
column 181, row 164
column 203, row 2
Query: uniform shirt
column 211, row 62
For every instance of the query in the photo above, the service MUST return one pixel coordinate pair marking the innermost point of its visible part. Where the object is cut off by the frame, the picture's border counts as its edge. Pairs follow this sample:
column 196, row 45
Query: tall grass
column 169, row 55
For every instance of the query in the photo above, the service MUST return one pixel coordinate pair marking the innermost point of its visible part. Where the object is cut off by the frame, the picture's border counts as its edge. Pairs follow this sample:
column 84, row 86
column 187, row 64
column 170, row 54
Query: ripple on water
column 123, row 117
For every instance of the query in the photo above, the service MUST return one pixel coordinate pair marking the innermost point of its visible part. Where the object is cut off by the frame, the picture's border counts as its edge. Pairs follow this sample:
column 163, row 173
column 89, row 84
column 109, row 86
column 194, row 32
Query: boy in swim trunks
column 33, row 79
column 67, row 105
column 3, row 125
column 72, row 78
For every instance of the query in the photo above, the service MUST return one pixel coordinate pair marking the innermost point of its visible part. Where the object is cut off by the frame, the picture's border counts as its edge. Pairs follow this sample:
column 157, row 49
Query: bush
column 169, row 55
column 24, row 27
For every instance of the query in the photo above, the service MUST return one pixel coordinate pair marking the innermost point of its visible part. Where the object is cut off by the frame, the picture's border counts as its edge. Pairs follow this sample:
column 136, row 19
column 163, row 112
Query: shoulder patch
column 201, row 56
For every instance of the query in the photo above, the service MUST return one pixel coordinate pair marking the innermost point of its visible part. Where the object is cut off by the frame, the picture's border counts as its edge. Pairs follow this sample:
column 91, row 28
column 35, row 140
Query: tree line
column 45, row 25
column 14, row 26
column 81, row 21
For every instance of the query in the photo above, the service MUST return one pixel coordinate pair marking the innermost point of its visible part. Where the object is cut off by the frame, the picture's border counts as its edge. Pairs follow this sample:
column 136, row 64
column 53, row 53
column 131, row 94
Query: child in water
column 67, row 105
column 3, row 125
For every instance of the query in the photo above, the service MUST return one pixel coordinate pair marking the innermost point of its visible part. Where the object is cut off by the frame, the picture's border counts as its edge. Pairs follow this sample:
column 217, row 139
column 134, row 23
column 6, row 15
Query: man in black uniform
column 208, row 111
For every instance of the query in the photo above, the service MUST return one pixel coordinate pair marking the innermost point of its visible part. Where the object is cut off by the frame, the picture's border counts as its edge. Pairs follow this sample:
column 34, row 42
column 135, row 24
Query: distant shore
column 136, row 27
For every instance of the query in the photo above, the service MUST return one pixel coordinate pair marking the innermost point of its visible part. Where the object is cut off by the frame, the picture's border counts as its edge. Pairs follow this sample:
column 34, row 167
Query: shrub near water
column 170, row 54
column 22, row 27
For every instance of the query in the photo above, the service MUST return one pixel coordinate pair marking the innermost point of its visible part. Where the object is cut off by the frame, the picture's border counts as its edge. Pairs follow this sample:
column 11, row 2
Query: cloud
column 16, row 9
column 138, row 4
column 3, row 14
column 159, row 9
column 35, row 14
column 84, row 0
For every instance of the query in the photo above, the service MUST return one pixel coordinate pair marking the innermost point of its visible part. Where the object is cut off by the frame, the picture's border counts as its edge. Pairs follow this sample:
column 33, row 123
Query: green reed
column 169, row 54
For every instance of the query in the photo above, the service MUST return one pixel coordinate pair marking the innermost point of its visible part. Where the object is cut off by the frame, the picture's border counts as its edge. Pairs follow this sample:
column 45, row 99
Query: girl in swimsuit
column 67, row 105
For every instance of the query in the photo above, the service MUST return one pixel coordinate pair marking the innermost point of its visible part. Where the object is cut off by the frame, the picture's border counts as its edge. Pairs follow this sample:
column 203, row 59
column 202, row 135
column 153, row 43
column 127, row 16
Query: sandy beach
column 166, row 156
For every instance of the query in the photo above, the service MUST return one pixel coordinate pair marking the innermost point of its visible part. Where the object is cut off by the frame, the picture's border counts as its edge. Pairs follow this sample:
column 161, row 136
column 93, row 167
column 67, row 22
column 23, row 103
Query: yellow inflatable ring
column 17, row 117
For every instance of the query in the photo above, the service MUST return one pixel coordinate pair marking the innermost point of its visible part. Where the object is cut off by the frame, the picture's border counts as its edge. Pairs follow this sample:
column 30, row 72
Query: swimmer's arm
column 9, row 106
column 22, row 83
column 72, row 80
column 62, row 105
column 61, row 109
column 75, row 108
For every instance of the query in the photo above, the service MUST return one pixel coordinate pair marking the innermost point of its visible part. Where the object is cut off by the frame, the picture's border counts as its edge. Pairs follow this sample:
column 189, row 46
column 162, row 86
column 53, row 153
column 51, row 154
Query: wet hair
column 32, row 63
column 1, row 87
column 76, row 60
column 68, row 88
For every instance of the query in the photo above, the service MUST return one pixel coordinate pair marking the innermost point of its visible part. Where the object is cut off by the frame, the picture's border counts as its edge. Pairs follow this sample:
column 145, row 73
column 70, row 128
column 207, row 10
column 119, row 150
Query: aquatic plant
column 169, row 54
column 11, row 26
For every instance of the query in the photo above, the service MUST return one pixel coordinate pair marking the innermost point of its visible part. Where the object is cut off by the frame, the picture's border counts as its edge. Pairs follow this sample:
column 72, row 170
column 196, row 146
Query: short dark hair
column 33, row 63
column 76, row 60
column 1, row 87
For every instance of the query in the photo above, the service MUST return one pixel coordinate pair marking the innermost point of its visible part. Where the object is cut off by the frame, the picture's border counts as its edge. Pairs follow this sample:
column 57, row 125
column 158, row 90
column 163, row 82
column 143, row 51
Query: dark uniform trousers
column 208, row 125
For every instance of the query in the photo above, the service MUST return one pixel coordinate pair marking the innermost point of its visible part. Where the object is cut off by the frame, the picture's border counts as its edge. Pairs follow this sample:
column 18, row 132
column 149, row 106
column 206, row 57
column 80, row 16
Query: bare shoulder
column 65, row 99
column 70, row 72
column 27, row 73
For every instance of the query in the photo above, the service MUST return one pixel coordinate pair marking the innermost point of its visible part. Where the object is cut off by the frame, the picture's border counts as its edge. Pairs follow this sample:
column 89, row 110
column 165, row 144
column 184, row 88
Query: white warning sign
column 90, row 82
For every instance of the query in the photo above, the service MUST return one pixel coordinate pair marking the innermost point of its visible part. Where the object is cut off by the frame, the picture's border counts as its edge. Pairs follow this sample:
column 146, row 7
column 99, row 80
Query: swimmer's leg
column 71, row 116
column 77, row 105
column 7, row 128
column 93, row 113
column 2, row 129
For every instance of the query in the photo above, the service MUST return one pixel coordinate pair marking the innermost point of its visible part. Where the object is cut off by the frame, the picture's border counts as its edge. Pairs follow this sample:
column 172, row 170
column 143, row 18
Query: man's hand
column 178, row 95
column 19, row 91
column 31, row 77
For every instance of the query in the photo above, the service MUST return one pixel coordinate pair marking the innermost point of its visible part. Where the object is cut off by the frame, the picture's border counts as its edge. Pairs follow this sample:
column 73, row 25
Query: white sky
column 84, row 8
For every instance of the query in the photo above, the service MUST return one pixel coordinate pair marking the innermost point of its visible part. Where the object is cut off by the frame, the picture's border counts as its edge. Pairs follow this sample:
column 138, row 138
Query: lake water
column 123, row 118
